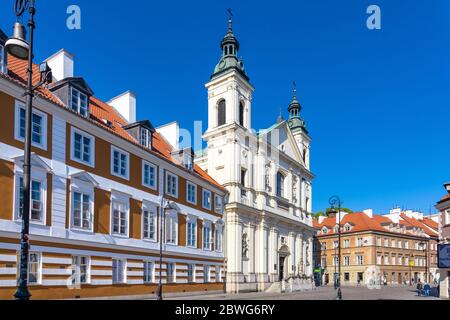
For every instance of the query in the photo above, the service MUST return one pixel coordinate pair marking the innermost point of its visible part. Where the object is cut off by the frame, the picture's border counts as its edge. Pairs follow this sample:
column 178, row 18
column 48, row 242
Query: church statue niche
column 244, row 246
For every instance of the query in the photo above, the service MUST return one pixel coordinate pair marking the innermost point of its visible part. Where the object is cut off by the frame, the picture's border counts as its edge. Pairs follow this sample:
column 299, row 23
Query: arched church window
column 241, row 113
column 221, row 113
column 226, row 50
column 304, row 155
column 280, row 185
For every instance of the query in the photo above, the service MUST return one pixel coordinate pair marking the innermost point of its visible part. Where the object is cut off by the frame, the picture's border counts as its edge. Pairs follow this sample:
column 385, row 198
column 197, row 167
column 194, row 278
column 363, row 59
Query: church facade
column 269, row 232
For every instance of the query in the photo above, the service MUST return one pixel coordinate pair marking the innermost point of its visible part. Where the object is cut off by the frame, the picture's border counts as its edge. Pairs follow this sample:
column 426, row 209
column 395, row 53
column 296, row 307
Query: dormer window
column 79, row 102
column 142, row 132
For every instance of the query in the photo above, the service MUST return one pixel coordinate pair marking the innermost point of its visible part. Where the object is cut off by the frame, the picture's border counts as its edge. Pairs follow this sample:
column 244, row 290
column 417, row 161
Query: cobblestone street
column 325, row 293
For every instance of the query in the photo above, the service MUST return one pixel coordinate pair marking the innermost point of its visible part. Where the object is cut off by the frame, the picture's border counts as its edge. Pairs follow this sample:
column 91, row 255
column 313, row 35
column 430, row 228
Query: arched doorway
column 283, row 254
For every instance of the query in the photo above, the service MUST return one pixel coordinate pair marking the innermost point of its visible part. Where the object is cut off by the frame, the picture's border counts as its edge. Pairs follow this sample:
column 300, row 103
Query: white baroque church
column 269, row 232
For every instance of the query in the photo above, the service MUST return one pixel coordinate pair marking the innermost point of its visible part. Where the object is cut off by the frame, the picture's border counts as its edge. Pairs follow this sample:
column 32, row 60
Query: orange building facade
column 395, row 249
column 99, row 178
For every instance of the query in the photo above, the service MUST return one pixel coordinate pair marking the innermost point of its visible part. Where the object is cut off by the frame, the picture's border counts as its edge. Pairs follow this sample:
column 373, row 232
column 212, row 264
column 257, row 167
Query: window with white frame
column 406, row 244
column 119, row 271
column 206, row 235
column 119, row 218
column 447, row 217
column 171, row 228
column 172, row 185
column 171, row 272
column 34, row 267
column 346, row 243
column 206, row 273
column 386, row 260
column 149, row 268
column 120, row 162
column 360, row 260
column 191, row 273
column 82, row 208
column 206, row 199
column 335, row 244
column 82, row 147
column 393, row 243
column 218, row 274
column 393, row 258
column 191, row 192
column 79, row 102
column 346, row 261
column 218, row 204
column 146, row 138
column 149, row 175
column 379, row 241
column 386, row 242
column 360, row 242
column 399, row 244
column 38, row 126
column 218, row 238
column 149, row 221
column 37, row 200
column 80, row 269
column 379, row 259
column 335, row 260
column 192, row 231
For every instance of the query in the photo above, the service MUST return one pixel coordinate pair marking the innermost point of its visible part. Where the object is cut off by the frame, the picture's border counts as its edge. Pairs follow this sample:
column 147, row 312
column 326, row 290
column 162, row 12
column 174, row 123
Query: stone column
column 292, row 257
column 261, row 258
column 234, row 252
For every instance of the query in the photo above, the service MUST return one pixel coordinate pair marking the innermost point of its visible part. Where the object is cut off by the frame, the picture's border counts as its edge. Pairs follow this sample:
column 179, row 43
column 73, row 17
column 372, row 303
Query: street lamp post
column 424, row 245
column 336, row 201
column 164, row 205
column 18, row 47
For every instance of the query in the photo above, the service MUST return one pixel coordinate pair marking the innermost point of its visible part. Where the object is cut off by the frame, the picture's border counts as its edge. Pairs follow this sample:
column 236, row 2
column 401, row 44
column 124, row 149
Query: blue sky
column 376, row 102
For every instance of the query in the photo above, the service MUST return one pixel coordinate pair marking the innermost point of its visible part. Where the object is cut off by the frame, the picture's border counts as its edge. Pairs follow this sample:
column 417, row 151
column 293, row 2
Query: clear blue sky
column 377, row 103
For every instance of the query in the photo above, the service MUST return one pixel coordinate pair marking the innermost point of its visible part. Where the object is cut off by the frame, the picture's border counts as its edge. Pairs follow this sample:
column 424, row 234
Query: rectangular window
column 171, row 228
column 80, row 269
column 172, row 185
column 447, row 217
column 192, row 232
column 218, row 204
column 243, row 177
column 393, row 243
column 400, row 244
column 120, row 218
column 191, row 273
column 206, row 274
column 346, row 276
column 393, row 259
column 34, row 267
column 120, row 163
column 79, row 102
column 346, row 243
column 37, row 200
column 218, row 274
column 346, row 261
column 149, row 217
column 171, row 272
column 360, row 242
column 218, row 238
column 379, row 242
column 191, row 193
column 359, row 260
column 379, row 259
column 81, row 211
column 148, row 175
column 148, row 272
column 206, row 201
column 118, row 271
column 406, row 244
column 335, row 260
column 145, row 138
column 207, row 236
column 38, row 126
column 82, row 147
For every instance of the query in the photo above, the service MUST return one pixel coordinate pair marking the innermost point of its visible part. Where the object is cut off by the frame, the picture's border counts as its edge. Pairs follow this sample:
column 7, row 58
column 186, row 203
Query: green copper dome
column 295, row 122
column 229, row 60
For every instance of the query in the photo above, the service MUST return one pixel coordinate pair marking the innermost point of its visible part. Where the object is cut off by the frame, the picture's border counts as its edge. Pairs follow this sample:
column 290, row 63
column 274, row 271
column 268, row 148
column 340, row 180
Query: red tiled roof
column 362, row 222
column 99, row 111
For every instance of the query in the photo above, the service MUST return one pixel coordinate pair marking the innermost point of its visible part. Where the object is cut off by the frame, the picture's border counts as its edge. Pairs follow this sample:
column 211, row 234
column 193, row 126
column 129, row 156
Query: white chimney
column 369, row 213
column 61, row 64
column 321, row 218
column 125, row 104
column 171, row 132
